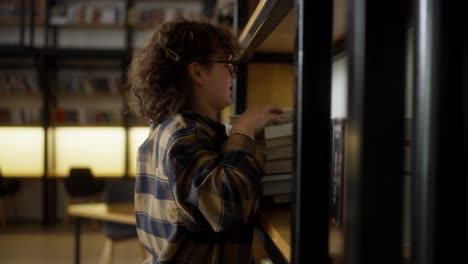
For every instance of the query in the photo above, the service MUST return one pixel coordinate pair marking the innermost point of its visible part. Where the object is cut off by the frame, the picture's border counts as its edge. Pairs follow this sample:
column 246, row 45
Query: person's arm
column 222, row 187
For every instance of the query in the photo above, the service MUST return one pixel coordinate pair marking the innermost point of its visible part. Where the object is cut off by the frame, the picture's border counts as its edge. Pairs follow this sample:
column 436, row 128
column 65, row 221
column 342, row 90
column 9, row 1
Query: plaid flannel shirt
column 196, row 192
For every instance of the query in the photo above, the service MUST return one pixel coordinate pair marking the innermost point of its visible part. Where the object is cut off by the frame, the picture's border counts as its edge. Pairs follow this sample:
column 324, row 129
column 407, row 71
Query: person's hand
column 254, row 120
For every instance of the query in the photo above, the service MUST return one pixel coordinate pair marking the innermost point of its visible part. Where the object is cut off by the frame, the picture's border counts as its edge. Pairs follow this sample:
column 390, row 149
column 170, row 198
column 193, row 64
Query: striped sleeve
column 218, row 187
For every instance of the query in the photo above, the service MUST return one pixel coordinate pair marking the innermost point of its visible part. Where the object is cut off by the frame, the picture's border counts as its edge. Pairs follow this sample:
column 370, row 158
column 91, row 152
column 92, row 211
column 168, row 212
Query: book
column 5, row 115
column 280, row 152
column 66, row 115
column 278, row 142
column 286, row 117
column 277, row 199
column 276, row 187
column 278, row 166
column 277, row 131
column 277, row 177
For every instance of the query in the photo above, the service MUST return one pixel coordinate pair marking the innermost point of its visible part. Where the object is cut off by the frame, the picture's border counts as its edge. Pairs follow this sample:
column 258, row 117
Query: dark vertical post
column 465, row 119
column 32, row 22
column 51, row 71
column 77, row 240
column 55, row 33
column 241, row 17
column 441, row 174
column 128, row 27
column 49, row 193
column 22, row 21
column 125, row 60
column 312, row 109
column 54, row 28
column 375, row 132
column 426, row 74
column 44, row 85
column 47, row 24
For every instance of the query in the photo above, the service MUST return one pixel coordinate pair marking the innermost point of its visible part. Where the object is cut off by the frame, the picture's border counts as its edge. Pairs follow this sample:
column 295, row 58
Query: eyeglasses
column 231, row 65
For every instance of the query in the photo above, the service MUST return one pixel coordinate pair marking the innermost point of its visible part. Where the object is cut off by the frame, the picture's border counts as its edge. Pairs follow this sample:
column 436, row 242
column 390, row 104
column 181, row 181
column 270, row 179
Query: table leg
column 77, row 239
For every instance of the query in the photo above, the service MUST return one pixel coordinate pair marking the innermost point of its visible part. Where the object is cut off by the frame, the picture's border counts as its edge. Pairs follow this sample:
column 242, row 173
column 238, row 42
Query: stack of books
column 277, row 181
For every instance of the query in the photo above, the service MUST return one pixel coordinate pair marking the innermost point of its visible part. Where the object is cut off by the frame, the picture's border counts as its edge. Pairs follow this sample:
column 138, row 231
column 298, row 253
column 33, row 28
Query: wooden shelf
column 265, row 18
column 91, row 96
column 21, row 96
column 73, row 124
column 138, row 124
column 276, row 223
column 90, row 53
column 147, row 26
column 15, row 21
column 34, row 124
column 271, row 27
column 89, row 26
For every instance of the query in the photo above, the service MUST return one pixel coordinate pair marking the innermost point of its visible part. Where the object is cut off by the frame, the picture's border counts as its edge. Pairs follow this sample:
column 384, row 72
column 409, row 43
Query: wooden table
column 117, row 212
column 276, row 223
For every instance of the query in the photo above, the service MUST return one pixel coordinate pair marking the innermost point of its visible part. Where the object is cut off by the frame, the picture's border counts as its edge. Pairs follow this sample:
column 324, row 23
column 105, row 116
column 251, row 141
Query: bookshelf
column 73, row 49
column 21, row 94
column 13, row 11
column 374, row 141
column 271, row 27
column 90, row 97
column 81, row 85
column 268, row 47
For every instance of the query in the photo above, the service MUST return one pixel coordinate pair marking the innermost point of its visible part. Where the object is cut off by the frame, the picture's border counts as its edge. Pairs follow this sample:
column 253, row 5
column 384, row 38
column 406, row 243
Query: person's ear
column 195, row 72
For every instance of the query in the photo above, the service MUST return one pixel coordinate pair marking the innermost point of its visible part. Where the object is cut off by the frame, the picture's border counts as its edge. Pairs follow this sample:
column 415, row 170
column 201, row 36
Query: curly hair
column 159, row 84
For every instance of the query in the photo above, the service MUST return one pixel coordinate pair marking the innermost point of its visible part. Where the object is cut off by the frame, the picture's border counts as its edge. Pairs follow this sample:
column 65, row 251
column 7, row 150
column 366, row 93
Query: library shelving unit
column 77, row 54
column 269, row 37
column 311, row 34
column 21, row 91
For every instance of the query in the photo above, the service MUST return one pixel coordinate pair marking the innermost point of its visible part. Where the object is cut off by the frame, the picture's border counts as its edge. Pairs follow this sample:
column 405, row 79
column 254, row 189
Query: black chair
column 8, row 187
column 120, row 191
column 81, row 185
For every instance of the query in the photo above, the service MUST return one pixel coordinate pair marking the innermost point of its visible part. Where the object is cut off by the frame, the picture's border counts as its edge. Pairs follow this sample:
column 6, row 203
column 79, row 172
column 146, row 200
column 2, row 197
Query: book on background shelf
column 5, row 116
column 88, row 13
column 11, row 10
column 336, row 174
column 147, row 13
column 66, row 115
column 20, row 115
column 29, row 115
column 102, row 117
column 102, row 85
column 13, row 83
